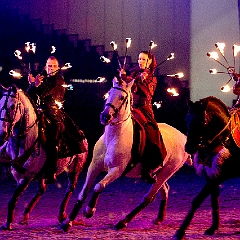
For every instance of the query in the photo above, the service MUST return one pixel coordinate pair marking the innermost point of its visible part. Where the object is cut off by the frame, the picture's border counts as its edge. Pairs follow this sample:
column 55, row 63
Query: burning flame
column 236, row 50
column 114, row 45
column 53, row 49
column 213, row 71
column 66, row 66
column 158, row 104
column 106, row 95
column 15, row 74
column 104, row 59
column 128, row 42
column 225, row 88
column 152, row 45
column 176, row 75
column 220, row 47
column 17, row 54
column 173, row 92
column 171, row 56
column 213, row 55
column 59, row 104
column 101, row 79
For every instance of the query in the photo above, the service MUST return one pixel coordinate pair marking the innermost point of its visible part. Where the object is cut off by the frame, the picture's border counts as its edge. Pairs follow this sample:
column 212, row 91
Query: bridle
column 8, row 118
column 115, row 109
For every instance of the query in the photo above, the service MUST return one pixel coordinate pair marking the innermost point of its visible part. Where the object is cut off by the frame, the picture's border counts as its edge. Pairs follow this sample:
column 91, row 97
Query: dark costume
column 44, row 96
column 142, row 93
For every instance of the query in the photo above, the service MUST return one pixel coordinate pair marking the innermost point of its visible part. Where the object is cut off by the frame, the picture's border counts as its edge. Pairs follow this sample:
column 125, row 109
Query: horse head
column 207, row 122
column 11, row 110
column 117, row 106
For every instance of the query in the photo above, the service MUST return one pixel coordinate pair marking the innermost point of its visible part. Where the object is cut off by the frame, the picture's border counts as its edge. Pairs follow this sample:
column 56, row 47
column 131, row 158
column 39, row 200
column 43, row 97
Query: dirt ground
column 118, row 199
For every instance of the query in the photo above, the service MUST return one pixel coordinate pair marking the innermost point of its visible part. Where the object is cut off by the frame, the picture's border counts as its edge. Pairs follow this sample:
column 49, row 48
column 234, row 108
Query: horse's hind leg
column 215, row 212
column 196, row 203
column 42, row 187
column 163, row 203
column 72, row 183
column 13, row 201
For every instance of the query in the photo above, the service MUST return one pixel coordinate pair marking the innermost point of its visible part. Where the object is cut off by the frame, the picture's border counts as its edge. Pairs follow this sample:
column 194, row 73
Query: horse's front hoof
column 24, row 220
column 89, row 212
column 210, row 231
column 120, row 225
column 62, row 217
column 179, row 234
column 66, row 225
column 6, row 226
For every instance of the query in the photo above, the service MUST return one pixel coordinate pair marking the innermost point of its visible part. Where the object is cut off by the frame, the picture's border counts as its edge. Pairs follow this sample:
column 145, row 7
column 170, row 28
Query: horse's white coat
column 112, row 152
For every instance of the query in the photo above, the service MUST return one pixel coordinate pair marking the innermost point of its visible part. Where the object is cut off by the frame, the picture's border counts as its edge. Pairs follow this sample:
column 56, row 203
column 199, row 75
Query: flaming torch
column 114, row 46
column 128, row 44
column 151, row 46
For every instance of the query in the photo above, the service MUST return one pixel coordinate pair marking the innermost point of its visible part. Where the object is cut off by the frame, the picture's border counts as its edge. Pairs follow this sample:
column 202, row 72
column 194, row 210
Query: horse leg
column 215, row 212
column 72, row 178
column 93, row 171
column 112, row 175
column 42, row 187
column 163, row 204
column 22, row 185
column 196, row 203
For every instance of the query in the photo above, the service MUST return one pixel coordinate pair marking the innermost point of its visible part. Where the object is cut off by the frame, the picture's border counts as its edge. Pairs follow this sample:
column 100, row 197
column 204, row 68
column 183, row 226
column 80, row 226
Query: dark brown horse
column 209, row 126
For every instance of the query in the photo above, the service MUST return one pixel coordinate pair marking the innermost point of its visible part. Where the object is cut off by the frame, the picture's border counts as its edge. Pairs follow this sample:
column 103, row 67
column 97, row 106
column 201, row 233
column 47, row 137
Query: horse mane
column 215, row 100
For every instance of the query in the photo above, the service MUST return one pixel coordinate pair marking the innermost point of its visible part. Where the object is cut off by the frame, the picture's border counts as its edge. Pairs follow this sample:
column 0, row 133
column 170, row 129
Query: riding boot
column 51, row 167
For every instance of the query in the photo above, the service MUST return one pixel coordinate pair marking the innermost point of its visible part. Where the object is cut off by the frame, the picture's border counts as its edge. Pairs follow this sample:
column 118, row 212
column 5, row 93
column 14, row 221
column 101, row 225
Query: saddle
column 235, row 127
column 70, row 140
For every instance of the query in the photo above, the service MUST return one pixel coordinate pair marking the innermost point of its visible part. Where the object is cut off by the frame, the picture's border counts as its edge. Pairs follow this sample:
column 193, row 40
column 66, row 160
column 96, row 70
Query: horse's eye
column 12, row 107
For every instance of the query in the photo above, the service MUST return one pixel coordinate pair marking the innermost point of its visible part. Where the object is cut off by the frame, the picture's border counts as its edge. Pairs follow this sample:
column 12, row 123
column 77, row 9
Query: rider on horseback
column 48, row 90
column 142, row 93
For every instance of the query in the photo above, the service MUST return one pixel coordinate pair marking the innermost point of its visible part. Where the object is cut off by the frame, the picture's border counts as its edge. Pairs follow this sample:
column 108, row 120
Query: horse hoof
column 156, row 221
column 66, row 226
column 89, row 212
column 210, row 231
column 120, row 225
column 24, row 220
column 179, row 234
column 6, row 226
column 62, row 217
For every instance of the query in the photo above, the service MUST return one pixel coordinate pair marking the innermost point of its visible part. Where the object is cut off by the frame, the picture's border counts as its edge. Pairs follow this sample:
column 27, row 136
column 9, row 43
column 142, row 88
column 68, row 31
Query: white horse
column 112, row 153
column 19, row 132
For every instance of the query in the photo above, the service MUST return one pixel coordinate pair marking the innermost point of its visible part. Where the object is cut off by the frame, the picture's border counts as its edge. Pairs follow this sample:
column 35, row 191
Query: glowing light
column 128, row 42
column 101, row 79
column 213, row 71
column 158, row 104
column 59, row 104
column 27, row 46
column 225, row 88
column 152, row 45
column 236, row 50
column 106, row 95
column 15, row 74
column 17, row 54
column 68, row 86
column 171, row 56
column 114, row 45
column 66, row 66
column 220, row 47
column 213, row 55
column 33, row 47
column 53, row 49
column 176, row 75
column 104, row 59
column 173, row 92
